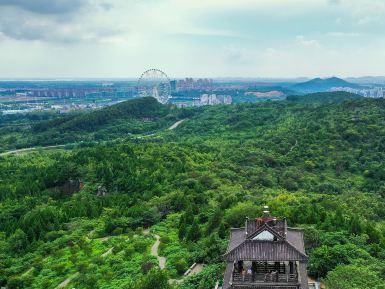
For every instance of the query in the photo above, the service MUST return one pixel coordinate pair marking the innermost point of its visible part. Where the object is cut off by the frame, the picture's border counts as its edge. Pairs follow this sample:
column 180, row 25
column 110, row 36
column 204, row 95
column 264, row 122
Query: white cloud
column 343, row 34
column 302, row 40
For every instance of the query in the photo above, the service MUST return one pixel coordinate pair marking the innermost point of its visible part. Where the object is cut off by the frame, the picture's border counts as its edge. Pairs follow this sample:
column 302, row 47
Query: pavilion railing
column 265, row 278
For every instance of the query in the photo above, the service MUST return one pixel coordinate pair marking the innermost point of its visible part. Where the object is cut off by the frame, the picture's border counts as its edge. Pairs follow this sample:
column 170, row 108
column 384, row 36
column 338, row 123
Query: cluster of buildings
column 82, row 92
column 213, row 99
column 67, row 92
column 62, row 107
column 56, row 107
column 192, row 84
column 65, row 108
column 206, row 99
column 72, row 92
column 375, row 92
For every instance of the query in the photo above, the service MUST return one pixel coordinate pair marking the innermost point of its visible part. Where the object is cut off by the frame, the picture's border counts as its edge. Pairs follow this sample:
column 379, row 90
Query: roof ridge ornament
column 266, row 212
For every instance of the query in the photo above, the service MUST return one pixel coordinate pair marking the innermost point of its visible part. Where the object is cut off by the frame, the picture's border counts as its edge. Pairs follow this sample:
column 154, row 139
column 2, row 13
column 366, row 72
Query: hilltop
column 132, row 117
column 320, row 85
column 140, row 108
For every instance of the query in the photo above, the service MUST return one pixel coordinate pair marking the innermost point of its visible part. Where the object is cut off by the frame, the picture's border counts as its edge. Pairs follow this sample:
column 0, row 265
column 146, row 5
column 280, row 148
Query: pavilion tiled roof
column 289, row 245
column 251, row 250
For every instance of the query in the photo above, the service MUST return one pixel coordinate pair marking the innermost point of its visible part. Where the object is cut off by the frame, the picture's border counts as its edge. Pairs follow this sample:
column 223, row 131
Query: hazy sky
column 248, row 38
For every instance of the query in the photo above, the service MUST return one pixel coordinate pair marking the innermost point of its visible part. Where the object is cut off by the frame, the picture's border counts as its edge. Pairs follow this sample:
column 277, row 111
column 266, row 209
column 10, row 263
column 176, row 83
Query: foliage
column 318, row 163
column 353, row 277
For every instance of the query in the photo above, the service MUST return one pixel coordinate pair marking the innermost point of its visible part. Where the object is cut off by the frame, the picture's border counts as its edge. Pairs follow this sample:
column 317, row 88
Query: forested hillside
column 134, row 117
column 317, row 160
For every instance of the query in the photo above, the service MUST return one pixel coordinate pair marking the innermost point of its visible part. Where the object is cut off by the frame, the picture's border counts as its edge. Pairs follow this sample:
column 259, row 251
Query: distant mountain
column 321, row 85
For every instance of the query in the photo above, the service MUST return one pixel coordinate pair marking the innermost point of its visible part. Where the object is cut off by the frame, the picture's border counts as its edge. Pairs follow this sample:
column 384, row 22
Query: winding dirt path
column 293, row 147
column 154, row 252
column 73, row 276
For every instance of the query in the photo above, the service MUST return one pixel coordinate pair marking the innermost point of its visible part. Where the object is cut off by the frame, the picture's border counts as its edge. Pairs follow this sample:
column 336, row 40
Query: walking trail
column 155, row 253
column 67, row 281
column 195, row 269
column 73, row 276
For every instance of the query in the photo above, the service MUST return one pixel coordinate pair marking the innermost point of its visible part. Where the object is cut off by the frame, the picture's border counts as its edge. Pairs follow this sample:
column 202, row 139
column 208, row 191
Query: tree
column 324, row 259
column 236, row 216
column 154, row 279
column 41, row 220
column 182, row 228
column 355, row 226
column 180, row 265
column 147, row 264
column 374, row 235
column 194, row 232
column 182, row 231
column 15, row 282
column 222, row 231
column 18, row 241
column 214, row 221
column 353, row 277
column 204, row 280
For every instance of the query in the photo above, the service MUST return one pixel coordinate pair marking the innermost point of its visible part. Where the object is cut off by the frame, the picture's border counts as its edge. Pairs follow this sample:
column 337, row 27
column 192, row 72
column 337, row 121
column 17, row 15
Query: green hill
column 133, row 117
column 140, row 108
column 324, row 97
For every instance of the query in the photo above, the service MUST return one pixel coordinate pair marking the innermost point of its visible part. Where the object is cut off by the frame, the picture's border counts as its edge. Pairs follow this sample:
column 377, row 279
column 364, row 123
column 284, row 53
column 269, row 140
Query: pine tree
column 194, row 232
column 355, row 227
column 339, row 221
column 182, row 228
column 214, row 221
column 222, row 231
column 182, row 231
column 373, row 233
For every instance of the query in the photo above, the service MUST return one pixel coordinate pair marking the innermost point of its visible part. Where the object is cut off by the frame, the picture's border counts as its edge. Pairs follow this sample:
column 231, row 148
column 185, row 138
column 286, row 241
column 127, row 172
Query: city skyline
column 216, row 39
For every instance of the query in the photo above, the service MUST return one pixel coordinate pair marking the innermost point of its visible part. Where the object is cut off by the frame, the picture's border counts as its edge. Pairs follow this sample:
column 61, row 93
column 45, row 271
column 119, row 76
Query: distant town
column 66, row 96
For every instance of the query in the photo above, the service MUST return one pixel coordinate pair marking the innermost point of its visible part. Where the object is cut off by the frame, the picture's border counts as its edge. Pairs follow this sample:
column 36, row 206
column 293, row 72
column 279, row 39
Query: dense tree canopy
column 317, row 161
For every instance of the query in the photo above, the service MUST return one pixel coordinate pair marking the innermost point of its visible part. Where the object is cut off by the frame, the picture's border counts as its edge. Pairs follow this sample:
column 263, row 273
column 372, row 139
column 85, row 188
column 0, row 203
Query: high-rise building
column 173, row 84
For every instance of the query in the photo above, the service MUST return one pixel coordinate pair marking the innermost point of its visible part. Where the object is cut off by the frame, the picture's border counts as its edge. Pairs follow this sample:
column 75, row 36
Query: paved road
column 30, row 149
column 175, row 125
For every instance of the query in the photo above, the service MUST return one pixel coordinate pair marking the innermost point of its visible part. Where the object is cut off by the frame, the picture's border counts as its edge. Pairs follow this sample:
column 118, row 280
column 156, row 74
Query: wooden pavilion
column 266, row 254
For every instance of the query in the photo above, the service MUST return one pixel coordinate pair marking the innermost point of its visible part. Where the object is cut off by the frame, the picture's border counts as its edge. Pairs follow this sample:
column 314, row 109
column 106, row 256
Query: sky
column 198, row 38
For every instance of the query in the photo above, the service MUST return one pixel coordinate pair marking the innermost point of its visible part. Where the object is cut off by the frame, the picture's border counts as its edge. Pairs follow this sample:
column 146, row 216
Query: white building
column 213, row 99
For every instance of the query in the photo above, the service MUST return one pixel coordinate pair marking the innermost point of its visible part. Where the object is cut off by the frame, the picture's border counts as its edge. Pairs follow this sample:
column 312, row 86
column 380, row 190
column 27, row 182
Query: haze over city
column 217, row 38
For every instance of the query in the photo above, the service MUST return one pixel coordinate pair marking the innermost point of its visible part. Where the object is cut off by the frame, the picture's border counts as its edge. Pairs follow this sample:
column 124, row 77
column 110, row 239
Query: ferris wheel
column 155, row 83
